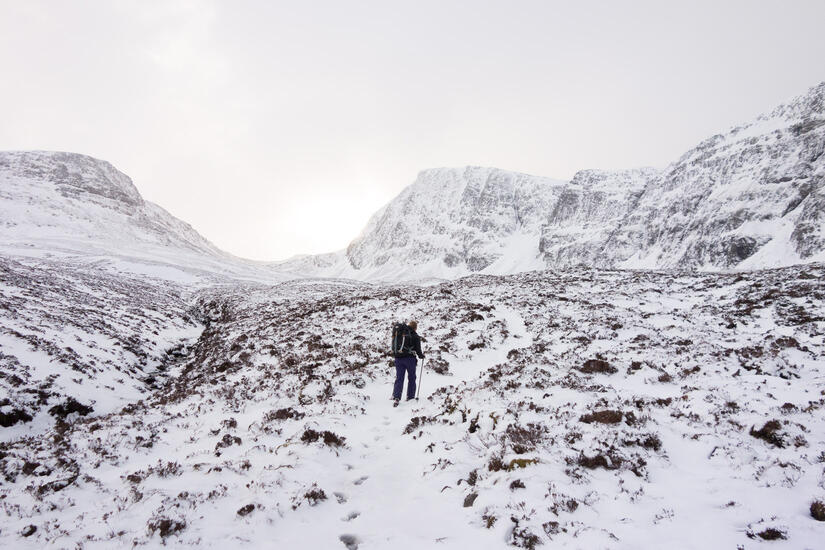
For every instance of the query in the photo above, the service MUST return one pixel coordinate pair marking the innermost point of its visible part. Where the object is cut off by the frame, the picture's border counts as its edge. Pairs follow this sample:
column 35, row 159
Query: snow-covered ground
column 157, row 391
column 584, row 409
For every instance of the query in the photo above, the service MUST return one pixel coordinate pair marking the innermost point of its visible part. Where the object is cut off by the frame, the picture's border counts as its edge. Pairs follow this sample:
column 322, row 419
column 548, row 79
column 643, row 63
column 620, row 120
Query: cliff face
column 750, row 198
column 587, row 214
column 454, row 221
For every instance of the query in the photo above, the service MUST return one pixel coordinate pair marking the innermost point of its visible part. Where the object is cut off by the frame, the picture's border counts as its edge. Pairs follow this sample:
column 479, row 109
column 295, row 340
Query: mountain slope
column 750, row 198
column 76, row 207
column 592, row 409
column 452, row 222
column 587, row 215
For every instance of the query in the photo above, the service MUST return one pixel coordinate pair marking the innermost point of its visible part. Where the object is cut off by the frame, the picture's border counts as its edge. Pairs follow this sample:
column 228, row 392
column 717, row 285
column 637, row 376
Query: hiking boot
column 395, row 402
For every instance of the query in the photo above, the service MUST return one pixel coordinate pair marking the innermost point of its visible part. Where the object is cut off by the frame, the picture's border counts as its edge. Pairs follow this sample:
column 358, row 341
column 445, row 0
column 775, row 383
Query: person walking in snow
column 406, row 345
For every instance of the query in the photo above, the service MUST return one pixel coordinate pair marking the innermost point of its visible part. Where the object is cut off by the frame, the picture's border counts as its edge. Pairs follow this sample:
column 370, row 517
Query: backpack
column 401, row 340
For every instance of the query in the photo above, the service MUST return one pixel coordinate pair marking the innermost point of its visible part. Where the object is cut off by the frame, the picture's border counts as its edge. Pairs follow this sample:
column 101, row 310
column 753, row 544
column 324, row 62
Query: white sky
column 278, row 128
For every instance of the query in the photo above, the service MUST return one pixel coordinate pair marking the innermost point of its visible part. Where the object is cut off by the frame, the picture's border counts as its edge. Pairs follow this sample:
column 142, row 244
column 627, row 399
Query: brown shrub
column 650, row 441
column 524, row 439
column 246, row 510
column 71, row 405
column 602, row 417
column 598, row 461
column 166, row 527
column 771, row 534
column 13, row 417
column 770, row 433
column 470, row 499
column 315, row 495
column 592, row 366
column 496, row 464
column 227, row 441
column 818, row 510
column 521, row 537
column 283, row 414
column 329, row 438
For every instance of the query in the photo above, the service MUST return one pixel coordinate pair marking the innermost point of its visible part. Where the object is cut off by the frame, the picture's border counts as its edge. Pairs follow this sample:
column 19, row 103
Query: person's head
column 413, row 325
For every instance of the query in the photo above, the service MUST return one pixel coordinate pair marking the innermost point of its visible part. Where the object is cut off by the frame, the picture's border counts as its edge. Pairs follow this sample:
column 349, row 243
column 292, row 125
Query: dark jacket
column 416, row 346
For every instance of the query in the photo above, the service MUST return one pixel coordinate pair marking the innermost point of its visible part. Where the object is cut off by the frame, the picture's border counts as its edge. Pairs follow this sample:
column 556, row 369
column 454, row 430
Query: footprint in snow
column 340, row 497
column 360, row 480
column 350, row 541
column 351, row 516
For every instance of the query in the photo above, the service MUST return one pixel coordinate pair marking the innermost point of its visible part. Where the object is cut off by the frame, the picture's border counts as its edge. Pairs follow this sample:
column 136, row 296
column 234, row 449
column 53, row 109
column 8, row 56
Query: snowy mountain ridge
column 750, row 198
column 55, row 204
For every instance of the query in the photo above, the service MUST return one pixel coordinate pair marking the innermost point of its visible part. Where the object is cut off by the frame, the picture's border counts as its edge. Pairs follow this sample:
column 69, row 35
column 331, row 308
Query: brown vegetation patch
column 771, row 534
column 13, row 417
column 315, row 495
column 524, row 439
column 329, row 438
column 602, row 417
column 227, row 441
column 599, row 461
column 592, row 366
column 283, row 414
column 818, row 510
column 71, row 405
column 166, row 527
column 770, row 433
column 650, row 441
column 246, row 510
column 517, row 484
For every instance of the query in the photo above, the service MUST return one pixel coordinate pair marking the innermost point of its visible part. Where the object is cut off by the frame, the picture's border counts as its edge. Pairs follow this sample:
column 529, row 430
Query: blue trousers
column 404, row 365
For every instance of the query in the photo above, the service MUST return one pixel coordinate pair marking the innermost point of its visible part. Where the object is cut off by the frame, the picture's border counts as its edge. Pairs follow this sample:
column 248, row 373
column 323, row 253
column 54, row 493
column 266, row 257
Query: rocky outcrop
column 749, row 198
column 455, row 221
column 733, row 196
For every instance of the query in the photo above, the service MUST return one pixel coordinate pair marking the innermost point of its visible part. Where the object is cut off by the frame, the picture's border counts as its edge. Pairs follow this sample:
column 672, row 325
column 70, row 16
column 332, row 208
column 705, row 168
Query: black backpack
column 401, row 340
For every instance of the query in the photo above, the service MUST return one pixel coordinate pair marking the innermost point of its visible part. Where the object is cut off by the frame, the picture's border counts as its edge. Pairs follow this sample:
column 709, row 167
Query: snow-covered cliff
column 455, row 221
column 749, row 198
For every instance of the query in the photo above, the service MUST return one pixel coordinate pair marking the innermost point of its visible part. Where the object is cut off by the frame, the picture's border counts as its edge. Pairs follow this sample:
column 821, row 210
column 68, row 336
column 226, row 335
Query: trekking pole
column 419, row 379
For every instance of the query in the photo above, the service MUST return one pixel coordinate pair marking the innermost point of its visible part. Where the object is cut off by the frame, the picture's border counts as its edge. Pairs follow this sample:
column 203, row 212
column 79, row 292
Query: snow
column 240, row 403
column 207, row 444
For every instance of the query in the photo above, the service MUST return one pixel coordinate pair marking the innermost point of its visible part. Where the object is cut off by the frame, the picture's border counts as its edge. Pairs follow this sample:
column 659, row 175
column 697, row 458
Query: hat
column 413, row 325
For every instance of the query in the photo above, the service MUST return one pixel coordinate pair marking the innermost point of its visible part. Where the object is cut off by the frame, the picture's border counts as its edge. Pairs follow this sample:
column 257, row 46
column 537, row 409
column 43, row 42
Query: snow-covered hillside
column 750, row 198
column 77, row 338
column 155, row 391
column 587, row 409
column 71, row 206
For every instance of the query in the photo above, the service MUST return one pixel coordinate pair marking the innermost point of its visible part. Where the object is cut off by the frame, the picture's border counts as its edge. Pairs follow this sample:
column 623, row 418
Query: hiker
column 406, row 345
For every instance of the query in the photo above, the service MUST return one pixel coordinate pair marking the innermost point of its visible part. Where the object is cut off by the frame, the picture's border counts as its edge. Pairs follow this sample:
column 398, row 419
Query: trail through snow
column 384, row 500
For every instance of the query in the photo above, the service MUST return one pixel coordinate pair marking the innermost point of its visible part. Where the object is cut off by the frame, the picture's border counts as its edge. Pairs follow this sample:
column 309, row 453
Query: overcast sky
column 278, row 128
